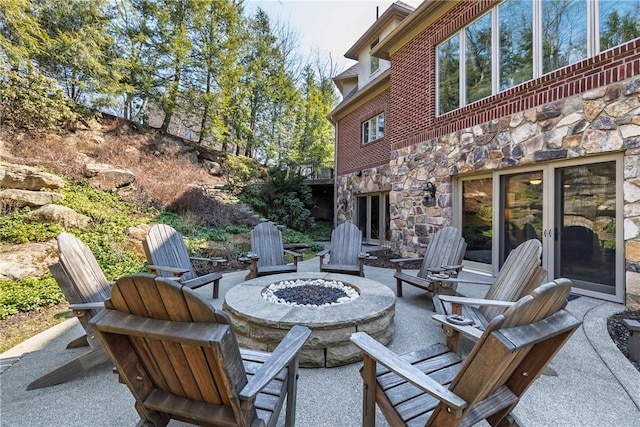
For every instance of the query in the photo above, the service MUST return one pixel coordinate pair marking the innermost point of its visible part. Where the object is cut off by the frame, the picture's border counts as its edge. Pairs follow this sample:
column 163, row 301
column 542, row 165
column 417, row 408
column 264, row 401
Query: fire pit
column 260, row 322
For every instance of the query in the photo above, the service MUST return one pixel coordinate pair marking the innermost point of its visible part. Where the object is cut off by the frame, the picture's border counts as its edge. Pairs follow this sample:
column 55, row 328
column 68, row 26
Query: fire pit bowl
column 261, row 324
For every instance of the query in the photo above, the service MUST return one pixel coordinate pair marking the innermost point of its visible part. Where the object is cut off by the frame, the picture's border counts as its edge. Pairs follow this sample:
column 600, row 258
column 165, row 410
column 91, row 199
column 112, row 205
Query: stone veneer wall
column 601, row 121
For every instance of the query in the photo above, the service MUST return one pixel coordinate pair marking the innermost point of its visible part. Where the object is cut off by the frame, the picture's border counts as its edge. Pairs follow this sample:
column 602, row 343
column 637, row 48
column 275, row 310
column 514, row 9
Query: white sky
column 331, row 26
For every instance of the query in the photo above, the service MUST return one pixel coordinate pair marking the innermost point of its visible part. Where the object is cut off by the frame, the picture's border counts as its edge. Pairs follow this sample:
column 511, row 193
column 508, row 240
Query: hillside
column 159, row 177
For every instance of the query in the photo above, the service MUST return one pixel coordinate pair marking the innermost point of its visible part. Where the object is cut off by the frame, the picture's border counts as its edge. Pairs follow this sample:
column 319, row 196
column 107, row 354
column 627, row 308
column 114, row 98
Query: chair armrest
column 293, row 253
column 214, row 260
column 172, row 270
column 458, row 280
column 83, row 306
column 404, row 369
column 475, row 301
column 283, row 354
column 468, row 330
column 452, row 267
column 401, row 260
column 365, row 255
column 323, row 252
column 253, row 255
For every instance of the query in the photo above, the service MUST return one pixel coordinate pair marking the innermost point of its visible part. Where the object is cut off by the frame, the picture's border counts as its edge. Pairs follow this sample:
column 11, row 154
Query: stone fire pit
column 261, row 324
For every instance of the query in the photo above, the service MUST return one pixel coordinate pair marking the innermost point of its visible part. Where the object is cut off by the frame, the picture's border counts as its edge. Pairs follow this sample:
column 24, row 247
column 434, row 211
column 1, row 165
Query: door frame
column 550, row 213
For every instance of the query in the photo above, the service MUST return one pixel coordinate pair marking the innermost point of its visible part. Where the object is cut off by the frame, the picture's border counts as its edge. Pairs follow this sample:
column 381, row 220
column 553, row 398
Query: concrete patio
column 596, row 385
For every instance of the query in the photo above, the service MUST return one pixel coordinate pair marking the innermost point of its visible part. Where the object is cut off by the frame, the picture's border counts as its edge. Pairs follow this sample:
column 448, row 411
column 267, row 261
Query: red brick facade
column 352, row 155
column 412, row 112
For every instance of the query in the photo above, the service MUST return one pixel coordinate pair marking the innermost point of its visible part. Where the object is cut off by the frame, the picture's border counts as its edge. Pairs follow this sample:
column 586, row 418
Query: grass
column 25, row 325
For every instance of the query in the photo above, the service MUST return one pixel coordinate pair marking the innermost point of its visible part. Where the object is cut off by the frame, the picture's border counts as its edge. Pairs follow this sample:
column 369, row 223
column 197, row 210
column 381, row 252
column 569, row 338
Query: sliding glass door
column 373, row 217
column 575, row 210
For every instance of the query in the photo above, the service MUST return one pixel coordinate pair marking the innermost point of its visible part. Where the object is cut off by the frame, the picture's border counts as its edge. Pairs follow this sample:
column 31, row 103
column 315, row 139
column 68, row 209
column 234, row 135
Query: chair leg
column 398, row 287
column 369, row 392
column 216, row 288
column 292, row 389
column 82, row 363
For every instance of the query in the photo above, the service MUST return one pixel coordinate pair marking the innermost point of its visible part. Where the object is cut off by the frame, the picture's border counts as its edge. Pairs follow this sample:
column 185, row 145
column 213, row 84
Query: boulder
column 27, row 178
column 62, row 215
column 21, row 198
column 213, row 168
column 27, row 260
column 108, row 178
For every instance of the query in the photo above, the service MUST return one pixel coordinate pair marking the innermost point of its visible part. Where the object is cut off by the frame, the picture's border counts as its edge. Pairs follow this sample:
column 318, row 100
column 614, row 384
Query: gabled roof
column 349, row 73
column 396, row 10
column 426, row 13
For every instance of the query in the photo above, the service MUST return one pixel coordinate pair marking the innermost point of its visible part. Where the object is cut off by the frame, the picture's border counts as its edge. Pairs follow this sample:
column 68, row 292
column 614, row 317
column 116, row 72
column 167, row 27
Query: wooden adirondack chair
column 167, row 256
column 180, row 358
column 520, row 273
column 267, row 252
column 85, row 288
column 444, row 256
column 345, row 254
column 434, row 387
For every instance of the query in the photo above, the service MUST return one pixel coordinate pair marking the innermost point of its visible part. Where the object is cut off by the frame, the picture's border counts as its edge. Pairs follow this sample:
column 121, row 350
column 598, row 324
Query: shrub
column 284, row 199
column 29, row 100
column 239, row 170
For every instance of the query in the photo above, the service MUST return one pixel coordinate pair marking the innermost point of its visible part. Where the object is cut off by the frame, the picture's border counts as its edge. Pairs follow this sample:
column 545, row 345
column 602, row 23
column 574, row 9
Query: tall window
column 375, row 62
column 519, row 40
column 373, row 128
column 515, row 26
column 618, row 22
column 478, row 59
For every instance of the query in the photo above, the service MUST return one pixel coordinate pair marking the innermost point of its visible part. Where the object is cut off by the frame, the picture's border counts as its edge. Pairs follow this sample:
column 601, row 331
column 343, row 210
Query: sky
column 330, row 26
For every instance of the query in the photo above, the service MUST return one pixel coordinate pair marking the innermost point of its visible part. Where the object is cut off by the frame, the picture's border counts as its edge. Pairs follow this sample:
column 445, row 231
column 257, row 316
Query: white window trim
column 373, row 129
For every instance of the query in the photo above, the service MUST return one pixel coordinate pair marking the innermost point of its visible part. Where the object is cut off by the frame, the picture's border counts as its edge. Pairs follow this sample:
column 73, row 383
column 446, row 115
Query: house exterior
column 510, row 120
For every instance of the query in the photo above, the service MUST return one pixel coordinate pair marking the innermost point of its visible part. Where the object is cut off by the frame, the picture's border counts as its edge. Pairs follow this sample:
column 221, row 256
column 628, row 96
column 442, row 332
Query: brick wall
column 352, row 155
column 412, row 111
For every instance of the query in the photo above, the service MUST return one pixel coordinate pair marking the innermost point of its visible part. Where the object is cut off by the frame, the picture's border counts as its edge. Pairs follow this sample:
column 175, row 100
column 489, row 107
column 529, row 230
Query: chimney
column 377, row 12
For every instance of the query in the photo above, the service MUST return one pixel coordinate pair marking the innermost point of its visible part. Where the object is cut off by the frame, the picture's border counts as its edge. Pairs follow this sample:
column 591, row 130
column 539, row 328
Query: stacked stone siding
column 352, row 155
column 605, row 120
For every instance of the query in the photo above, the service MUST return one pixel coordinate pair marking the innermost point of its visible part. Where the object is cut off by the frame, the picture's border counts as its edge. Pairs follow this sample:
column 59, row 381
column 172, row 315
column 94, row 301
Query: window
column 519, row 40
column 373, row 128
column 375, row 62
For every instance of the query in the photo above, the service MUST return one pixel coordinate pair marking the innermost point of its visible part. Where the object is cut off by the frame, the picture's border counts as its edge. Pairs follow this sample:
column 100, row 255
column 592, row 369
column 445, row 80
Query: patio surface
column 596, row 385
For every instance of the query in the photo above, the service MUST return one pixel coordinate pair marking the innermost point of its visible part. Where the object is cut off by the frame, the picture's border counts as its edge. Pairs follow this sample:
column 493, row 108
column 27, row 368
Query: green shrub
column 239, row 170
column 29, row 100
column 285, row 199
column 28, row 294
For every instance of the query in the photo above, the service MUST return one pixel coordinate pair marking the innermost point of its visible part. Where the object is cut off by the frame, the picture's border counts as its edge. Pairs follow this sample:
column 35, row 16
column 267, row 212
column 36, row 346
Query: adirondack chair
column 345, row 254
column 267, row 252
column 167, row 256
column 434, row 386
column 180, row 359
column 85, row 287
column 443, row 256
column 520, row 273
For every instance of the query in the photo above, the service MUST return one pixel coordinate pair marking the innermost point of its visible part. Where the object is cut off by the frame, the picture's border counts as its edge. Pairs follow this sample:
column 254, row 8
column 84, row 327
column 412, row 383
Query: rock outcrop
column 27, row 178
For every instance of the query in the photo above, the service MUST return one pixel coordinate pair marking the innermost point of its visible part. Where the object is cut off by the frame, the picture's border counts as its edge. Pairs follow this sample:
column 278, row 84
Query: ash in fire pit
column 309, row 293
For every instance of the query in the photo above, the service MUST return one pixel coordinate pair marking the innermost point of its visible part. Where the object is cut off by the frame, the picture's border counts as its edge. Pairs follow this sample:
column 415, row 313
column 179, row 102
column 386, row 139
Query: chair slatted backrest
column 346, row 244
column 78, row 273
column 207, row 367
column 520, row 273
column 447, row 247
column 512, row 352
column 165, row 246
column 266, row 242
